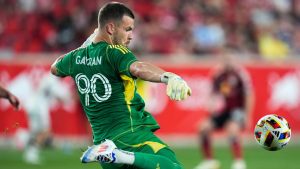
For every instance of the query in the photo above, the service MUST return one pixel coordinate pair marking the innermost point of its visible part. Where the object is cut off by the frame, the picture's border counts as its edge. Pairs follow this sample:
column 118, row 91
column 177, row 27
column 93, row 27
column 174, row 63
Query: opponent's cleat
column 102, row 153
column 31, row 155
column 208, row 164
column 239, row 164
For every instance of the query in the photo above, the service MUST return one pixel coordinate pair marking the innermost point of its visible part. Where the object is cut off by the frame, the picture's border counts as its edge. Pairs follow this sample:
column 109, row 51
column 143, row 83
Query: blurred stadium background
column 187, row 37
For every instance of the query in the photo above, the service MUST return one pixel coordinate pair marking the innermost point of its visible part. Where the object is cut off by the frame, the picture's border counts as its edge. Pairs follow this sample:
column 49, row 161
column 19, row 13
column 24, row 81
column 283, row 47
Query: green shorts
column 142, row 141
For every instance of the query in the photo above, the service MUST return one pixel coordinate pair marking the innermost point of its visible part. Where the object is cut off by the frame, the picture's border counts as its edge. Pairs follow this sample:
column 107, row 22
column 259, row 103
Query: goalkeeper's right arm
column 177, row 88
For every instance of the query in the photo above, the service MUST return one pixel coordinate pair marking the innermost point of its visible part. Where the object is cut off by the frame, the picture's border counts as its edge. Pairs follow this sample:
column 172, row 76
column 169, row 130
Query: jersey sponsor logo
column 90, row 87
column 121, row 48
column 83, row 60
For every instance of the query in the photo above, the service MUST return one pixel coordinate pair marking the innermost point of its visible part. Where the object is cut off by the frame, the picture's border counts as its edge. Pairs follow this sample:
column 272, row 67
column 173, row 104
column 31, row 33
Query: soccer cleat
column 238, row 164
column 31, row 155
column 102, row 153
column 208, row 164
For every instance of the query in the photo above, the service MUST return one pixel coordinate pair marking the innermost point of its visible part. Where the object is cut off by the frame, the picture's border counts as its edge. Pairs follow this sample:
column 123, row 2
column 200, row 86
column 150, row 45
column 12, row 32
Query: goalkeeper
column 105, row 71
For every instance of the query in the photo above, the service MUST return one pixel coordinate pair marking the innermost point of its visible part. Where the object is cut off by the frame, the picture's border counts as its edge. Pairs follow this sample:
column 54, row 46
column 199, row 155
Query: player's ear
column 110, row 28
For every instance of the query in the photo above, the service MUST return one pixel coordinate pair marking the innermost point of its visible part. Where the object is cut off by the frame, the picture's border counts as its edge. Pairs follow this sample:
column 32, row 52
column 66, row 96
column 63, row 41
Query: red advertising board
column 276, row 89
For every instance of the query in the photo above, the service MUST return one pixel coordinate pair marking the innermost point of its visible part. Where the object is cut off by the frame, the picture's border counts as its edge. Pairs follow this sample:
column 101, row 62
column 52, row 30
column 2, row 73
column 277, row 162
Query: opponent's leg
column 233, row 130
column 31, row 153
column 206, row 147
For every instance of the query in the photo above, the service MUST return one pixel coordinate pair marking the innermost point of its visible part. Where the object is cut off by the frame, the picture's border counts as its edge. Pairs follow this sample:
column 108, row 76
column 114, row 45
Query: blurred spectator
column 296, row 41
column 168, row 26
column 209, row 34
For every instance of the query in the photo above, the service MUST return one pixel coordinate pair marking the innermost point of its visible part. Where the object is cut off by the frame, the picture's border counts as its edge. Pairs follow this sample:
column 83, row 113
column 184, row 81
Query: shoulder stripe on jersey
column 120, row 48
column 123, row 51
column 124, row 48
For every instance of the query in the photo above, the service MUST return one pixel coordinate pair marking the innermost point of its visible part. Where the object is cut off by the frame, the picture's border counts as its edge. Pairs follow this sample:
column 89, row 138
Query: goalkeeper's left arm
column 177, row 88
column 87, row 42
column 90, row 39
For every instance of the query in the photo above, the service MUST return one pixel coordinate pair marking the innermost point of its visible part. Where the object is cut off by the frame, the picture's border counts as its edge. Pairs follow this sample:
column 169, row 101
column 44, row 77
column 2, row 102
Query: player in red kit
column 229, row 103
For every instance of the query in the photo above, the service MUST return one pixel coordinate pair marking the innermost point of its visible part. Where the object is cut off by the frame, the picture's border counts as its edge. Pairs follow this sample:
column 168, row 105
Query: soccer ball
column 272, row 132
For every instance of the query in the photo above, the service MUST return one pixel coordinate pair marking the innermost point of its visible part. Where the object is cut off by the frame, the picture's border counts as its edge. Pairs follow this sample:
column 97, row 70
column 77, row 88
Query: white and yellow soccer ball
column 272, row 132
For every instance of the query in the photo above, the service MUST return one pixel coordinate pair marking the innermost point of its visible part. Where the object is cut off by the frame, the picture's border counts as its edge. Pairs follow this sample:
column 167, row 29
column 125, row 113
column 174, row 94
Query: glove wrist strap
column 166, row 76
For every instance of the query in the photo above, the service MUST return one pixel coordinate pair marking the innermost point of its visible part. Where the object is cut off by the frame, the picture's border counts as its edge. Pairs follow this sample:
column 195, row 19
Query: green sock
column 151, row 161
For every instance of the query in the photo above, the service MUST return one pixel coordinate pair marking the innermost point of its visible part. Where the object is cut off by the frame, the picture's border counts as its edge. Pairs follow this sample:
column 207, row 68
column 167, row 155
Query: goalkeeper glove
column 177, row 88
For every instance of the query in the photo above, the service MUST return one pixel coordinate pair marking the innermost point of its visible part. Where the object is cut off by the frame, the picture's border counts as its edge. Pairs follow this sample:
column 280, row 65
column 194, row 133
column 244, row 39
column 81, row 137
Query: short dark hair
column 113, row 11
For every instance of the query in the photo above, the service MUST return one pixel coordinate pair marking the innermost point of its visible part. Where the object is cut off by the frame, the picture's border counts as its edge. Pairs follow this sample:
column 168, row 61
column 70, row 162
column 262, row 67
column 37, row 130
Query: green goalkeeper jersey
column 107, row 90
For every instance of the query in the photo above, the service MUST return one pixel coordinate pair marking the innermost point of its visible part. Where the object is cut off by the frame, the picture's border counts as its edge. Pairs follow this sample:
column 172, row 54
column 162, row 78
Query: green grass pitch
column 256, row 158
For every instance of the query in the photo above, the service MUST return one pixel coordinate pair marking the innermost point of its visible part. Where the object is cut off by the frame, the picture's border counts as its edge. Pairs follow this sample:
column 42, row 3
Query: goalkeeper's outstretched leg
column 111, row 157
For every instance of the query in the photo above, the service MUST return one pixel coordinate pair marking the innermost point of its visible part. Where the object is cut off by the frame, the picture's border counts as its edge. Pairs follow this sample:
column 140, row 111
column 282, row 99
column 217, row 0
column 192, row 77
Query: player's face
column 123, row 32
